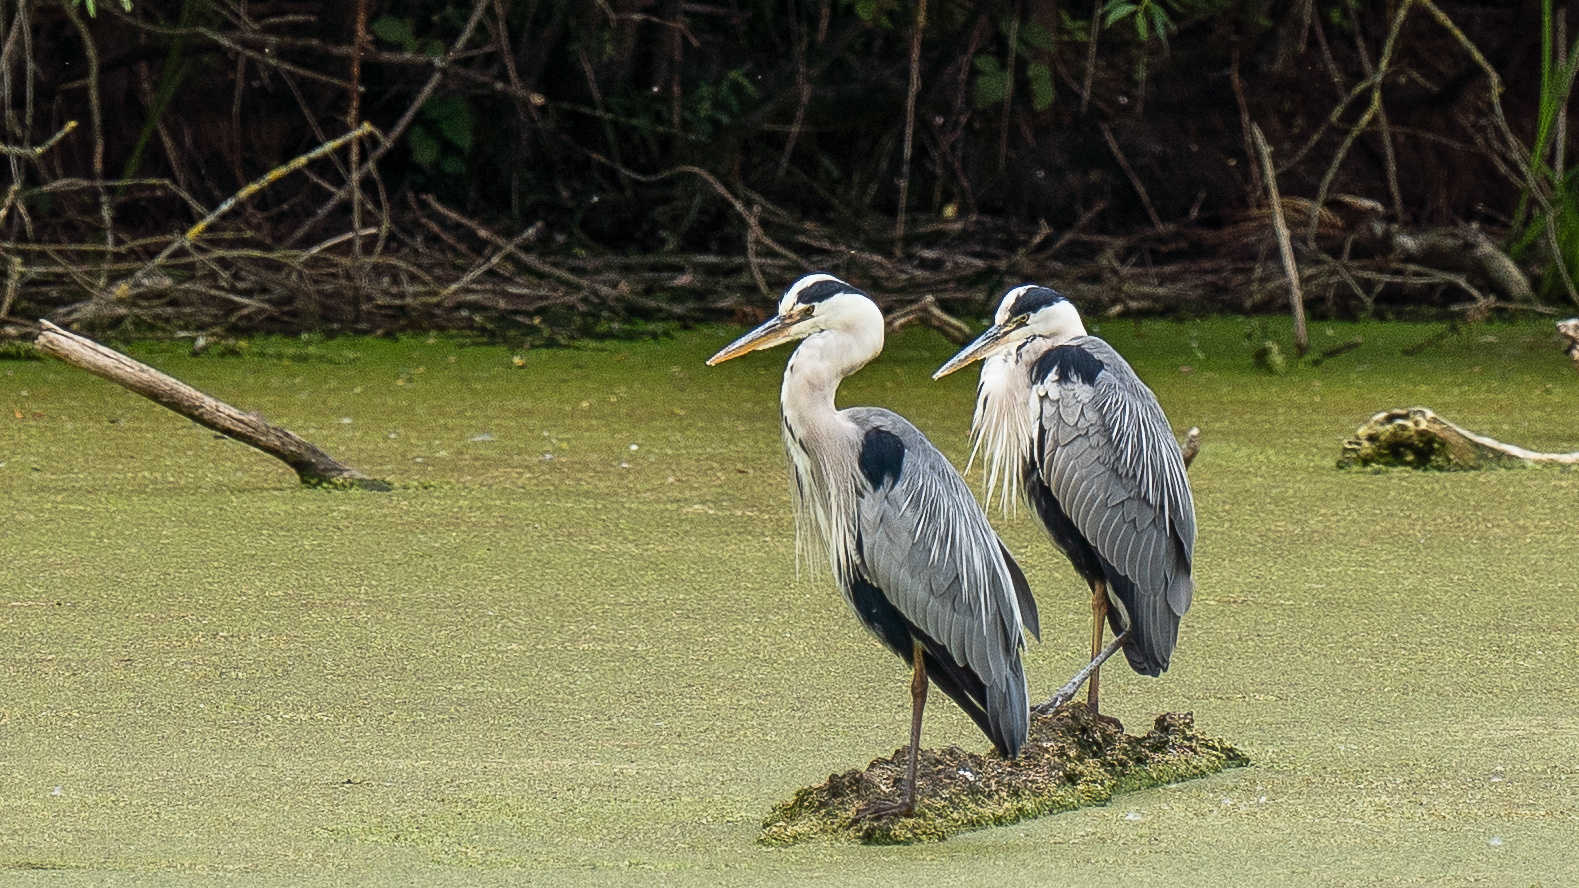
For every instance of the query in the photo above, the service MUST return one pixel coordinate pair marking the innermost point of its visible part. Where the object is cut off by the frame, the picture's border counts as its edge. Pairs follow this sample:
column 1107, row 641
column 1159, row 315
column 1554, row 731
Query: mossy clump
column 1072, row 759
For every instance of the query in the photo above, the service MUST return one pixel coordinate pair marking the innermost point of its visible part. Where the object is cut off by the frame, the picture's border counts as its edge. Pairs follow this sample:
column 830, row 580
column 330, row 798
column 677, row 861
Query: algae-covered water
column 571, row 647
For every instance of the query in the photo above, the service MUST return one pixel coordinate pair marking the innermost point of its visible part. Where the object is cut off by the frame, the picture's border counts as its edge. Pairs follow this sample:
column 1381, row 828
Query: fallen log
column 1417, row 438
column 313, row 466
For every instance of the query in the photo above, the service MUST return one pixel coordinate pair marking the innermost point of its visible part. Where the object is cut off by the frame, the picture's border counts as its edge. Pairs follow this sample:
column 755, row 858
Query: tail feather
column 1002, row 713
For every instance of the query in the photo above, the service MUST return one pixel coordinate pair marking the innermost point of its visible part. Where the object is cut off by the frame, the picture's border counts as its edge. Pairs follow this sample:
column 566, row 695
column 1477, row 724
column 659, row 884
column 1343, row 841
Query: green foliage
column 877, row 13
column 443, row 134
column 1033, row 43
column 1535, row 230
column 399, row 32
column 1152, row 17
column 709, row 105
column 93, row 7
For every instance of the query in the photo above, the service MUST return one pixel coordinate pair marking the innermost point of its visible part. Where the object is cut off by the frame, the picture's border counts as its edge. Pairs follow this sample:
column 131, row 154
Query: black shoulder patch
column 822, row 291
column 1071, row 362
column 882, row 456
column 1035, row 299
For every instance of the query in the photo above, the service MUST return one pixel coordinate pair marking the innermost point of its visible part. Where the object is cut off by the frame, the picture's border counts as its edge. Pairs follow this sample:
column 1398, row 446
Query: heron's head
column 812, row 304
column 1025, row 312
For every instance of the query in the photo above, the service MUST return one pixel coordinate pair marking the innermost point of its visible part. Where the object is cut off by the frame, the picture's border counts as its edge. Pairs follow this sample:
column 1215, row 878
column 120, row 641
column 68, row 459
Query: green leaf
column 453, row 165
column 424, row 148
column 393, row 30
column 1042, row 92
column 1116, row 10
column 987, row 65
column 1160, row 23
column 453, row 117
column 1035, row 36
column 991, row 84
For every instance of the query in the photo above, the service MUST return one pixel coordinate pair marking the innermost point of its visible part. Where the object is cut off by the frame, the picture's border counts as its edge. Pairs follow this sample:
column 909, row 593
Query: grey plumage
column 925, row 542
column 1062, row 417
column 1106, row 454
column 909, row 546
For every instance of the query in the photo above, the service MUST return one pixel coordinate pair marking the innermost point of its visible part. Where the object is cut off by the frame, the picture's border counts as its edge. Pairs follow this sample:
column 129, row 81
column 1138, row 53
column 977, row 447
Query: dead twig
column 910, row 126
column 1134, row 180
column 36, row 151
column 274, row 175
column 1296, row 296
column 927, row 311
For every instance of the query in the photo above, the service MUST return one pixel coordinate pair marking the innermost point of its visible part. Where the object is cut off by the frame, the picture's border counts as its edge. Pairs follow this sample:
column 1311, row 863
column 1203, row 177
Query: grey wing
column 1111, row 461
column 925, row 541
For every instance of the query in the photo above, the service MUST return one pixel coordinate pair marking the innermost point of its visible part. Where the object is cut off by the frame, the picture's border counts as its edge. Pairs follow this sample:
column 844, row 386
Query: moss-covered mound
column 1071, row 760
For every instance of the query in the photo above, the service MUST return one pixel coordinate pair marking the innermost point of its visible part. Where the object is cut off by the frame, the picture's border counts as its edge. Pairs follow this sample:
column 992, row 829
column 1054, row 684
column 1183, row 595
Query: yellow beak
column 777, row 329
column 985, row 344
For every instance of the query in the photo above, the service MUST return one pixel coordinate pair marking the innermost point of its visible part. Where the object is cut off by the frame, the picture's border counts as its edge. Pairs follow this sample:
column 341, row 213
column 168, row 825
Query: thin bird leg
column 1067, row 692
column 918, row 701
column 1098, row 621
column 906, row 805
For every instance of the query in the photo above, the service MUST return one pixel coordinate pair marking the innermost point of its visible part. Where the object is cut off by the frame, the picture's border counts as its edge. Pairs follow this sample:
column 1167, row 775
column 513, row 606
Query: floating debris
column 1072, row 760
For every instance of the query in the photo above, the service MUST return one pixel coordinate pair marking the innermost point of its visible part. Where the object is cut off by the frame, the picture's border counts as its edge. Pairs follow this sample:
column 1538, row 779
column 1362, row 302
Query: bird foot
column 883, row 809
column 1063, row 696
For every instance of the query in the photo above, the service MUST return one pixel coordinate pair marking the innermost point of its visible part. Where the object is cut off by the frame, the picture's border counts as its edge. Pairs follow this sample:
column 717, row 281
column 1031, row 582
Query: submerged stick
column 312, row 466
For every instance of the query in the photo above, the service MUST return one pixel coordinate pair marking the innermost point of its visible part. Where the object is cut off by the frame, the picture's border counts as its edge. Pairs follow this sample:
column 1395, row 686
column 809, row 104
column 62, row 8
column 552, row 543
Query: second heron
column 1062, row 416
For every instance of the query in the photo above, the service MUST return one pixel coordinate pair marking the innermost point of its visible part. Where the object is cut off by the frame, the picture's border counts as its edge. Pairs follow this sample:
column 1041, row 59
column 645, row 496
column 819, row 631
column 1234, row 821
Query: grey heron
column 909, row 546
column 1062, row 416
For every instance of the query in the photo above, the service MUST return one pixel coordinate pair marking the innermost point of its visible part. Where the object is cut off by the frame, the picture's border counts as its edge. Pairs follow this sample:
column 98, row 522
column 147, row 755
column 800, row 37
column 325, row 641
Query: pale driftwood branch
column 1417, row 438
column 312, row 465
column 928, row 312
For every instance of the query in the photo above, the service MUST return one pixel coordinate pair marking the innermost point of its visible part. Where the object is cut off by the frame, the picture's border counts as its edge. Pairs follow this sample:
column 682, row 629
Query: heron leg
column 906, row 805
column 918, row 703
column 1099, row 607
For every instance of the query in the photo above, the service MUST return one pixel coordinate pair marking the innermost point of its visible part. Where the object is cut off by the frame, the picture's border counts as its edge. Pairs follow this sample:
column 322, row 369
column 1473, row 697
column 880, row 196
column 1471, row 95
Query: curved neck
column 821, row 362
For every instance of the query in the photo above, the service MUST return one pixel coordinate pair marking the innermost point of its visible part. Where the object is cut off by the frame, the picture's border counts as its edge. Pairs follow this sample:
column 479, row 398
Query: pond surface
column 572, row 648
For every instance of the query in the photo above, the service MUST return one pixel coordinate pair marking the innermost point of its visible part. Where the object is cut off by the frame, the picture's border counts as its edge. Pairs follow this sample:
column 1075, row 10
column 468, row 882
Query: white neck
column 820, row 443
column 824, row 359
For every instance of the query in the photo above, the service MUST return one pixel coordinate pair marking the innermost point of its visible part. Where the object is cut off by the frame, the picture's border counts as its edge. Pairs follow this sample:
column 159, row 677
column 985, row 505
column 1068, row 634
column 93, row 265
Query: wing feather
column 926, row 543
column 1110, row 458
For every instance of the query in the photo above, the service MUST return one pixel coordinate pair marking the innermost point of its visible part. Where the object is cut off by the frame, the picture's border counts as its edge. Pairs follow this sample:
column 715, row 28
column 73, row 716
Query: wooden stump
column 1417, row 438
column 312, row 466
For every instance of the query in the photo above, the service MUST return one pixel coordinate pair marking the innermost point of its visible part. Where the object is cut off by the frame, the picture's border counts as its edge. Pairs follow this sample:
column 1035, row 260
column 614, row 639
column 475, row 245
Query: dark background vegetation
column 544, row 169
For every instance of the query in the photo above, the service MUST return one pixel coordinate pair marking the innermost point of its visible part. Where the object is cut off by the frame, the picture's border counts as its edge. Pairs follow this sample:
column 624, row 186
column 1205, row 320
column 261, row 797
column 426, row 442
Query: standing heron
column 908, row 544
column 1061, row 415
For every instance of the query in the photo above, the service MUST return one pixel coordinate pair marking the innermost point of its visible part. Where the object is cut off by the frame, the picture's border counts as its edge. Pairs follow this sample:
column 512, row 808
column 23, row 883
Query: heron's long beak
column 780, row 328
column 986, row 344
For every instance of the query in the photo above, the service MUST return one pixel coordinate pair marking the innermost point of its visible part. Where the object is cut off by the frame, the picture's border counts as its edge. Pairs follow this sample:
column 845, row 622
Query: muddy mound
column 1072, row 760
